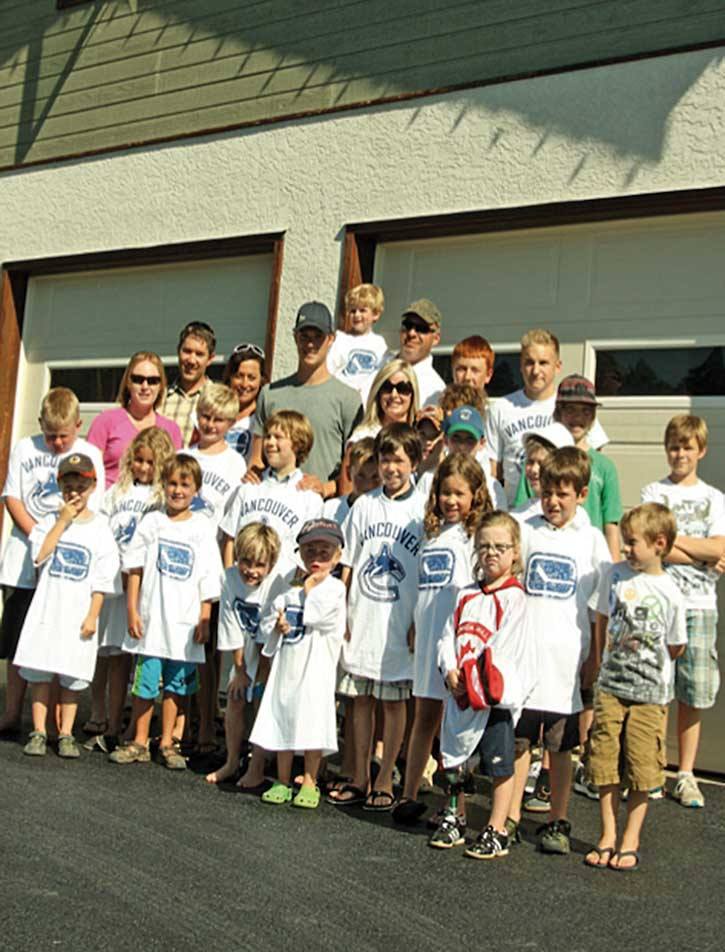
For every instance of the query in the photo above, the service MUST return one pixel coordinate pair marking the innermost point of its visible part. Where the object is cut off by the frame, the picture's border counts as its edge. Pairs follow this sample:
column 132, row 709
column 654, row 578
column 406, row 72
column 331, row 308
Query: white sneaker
column 534, row 771
column 687, row 792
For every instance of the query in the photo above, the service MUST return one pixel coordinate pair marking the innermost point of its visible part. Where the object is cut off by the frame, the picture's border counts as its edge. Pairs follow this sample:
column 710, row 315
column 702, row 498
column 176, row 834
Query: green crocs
column 308, row 797
column 278, row 793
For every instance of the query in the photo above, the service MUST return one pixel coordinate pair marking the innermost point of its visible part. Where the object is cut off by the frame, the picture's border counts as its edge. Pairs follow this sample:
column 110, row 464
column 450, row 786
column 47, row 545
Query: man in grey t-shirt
column 333, row 408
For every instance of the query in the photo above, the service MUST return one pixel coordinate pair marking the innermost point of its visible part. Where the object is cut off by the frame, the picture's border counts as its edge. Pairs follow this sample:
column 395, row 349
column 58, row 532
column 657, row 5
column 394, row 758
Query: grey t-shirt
column 333, row 409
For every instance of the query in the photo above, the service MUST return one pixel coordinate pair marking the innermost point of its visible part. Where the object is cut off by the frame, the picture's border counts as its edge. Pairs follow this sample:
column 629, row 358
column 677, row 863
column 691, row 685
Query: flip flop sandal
column 408, row 811
column 278, row 794
column 625, row 869
column 357, row 796
column 600, row 851
column 308, row 797
column 385, row 807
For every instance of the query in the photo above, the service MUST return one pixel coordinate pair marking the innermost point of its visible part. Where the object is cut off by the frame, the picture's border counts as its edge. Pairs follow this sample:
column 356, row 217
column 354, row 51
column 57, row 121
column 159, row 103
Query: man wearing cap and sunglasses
column 197, row 344
column 420, row 332
column 332, row 407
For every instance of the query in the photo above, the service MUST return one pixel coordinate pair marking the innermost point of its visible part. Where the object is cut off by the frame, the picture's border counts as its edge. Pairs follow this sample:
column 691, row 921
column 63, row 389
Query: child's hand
column 455, row 684
column 348, row 634
column 88, row 626
column 253, row 475
column 309, row 481
column 135, row 626
column 411, row 639
column 719, row 566
column 201, row 633
column 70, row 509
column 238, row 686
column 282, row 626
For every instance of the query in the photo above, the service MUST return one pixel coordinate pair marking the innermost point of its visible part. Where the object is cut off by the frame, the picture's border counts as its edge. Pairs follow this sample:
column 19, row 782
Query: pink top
column 112, row 431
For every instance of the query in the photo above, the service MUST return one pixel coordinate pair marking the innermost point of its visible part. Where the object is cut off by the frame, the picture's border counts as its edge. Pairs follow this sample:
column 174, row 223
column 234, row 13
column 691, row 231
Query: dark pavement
column 101, row 857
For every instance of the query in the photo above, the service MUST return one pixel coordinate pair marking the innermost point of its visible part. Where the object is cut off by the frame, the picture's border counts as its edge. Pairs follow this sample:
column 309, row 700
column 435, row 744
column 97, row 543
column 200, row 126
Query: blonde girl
column 458, row 498
column 137, row 491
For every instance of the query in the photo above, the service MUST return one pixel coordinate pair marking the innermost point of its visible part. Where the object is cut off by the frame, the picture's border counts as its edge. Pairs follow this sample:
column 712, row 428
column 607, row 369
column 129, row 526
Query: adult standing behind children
column 140, row 393
column 420, row 332
column 332, row 408
column 245, row 373
column 196, row 348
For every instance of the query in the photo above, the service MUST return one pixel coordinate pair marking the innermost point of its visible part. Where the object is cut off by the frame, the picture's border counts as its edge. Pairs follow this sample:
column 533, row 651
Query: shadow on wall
column 110, row 73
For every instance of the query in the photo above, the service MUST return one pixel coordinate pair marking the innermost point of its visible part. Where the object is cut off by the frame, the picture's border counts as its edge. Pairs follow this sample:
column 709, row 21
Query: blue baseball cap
column 464, row 419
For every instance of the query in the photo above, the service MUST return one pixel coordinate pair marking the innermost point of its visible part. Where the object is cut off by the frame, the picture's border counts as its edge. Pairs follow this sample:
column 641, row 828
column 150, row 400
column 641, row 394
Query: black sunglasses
column 420, row 327
column 140, row 378
column 404, row 388
column 249, row 349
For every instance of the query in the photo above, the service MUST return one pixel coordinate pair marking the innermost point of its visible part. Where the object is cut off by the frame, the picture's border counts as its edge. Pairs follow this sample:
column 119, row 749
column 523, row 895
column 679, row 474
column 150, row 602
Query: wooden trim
column 273, row 306
column 365, row 104
column 358, row 262
column 12, row 302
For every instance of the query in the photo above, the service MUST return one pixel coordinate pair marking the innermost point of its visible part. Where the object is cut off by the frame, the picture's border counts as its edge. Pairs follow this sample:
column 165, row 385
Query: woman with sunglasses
column 245, row 373
column 141, row 390
column 393, row 398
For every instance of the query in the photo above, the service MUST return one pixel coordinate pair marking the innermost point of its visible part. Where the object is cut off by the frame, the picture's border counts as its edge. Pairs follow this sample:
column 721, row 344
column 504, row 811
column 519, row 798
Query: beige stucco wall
column 645, row 126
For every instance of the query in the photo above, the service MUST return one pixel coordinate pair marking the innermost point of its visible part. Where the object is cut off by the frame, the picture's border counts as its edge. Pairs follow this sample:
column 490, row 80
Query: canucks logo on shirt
column 553, row 576
column 175, row 560
column 379, row 575
column 239, row 441
column 70, row 561
column 199, row 504
column 124, row 532
column 44, row 495
column 247, row 615
column 359, row 362
column 293, row 616
column 436, row 568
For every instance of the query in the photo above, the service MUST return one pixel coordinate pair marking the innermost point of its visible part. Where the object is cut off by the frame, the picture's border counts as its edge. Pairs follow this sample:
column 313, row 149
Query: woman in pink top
column 141, row 390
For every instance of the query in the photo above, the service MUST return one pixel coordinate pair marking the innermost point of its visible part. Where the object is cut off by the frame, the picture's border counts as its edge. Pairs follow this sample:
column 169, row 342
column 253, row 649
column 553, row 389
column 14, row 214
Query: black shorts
column 560, row 731
column 496, row 748
column 16, row 602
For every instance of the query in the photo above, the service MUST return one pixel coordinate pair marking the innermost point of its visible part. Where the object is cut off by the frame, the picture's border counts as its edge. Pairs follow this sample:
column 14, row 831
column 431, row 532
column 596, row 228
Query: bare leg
column 284, row 766
column 143, row 710
column 521, row 772
column 41, row 702
column 68, row 711
column 636, row 812
column 688, row 735
column 170, row 709
column 254, row 774
column 363, row 718
column 54, row 705
column 312, row 767
column 119, row 670
column 608, row 808
column 206, row 701
column 394, row 715
column 560, row 774
column 425, row 724
column 503, row 788
column 233, row 733
column 14, row 697
column 98, row 690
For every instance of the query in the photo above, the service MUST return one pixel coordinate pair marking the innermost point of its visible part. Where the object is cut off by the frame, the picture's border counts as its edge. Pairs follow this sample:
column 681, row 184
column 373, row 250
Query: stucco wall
column 652, row 125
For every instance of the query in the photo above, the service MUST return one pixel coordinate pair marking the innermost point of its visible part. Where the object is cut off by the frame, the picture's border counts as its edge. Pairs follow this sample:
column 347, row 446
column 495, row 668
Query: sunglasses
column 140, row 378
column 249, row 349
column 420, row 327
column 404, row 389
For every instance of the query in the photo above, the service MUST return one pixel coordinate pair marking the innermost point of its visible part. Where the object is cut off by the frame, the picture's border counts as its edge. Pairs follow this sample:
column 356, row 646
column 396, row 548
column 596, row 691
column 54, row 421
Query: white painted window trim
column 682, row 402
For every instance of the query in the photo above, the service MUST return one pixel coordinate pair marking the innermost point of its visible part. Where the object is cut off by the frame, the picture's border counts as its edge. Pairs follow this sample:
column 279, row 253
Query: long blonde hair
column 373, row 416
column 159, row 443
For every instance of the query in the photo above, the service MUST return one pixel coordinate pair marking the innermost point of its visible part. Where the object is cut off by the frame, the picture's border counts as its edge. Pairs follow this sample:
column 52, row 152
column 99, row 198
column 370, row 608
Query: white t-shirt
column 32, row 478
column 275, row 502
column 124, row 511
column 181, row 569
column 700, row 513
column 494, row 487
column 646, row 614
column 445, row 566
column 221, row 474
column 498, row 618
column 239, row 436
column 362, row 432
column 355, row 358
column 337, row 508
column 562, row 574
column 508, row 418
column 383, row 538
column 298, row 706
column 84, row 561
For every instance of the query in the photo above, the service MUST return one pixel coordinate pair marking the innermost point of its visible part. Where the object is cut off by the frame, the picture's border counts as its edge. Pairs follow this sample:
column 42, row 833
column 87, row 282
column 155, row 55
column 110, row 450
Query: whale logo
column 380, row 575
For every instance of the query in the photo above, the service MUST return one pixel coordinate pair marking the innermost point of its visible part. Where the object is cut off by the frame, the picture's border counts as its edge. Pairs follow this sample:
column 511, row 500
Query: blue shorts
column 178, row 677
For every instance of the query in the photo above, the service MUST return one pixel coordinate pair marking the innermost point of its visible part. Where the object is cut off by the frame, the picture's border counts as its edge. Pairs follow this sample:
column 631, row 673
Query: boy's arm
column 240, row 682
column 255, row 467
column 710, row 549
column 591, row 666
column 20, row 515
column 676, row 651
column 133, row 589
column 66, row 515
column 201, row 634
column 227, row 547
column 614, row 543
column 90, row 622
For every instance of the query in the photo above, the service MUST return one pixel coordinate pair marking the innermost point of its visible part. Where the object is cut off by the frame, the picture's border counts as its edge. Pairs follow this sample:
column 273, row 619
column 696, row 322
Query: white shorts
column 33, row 676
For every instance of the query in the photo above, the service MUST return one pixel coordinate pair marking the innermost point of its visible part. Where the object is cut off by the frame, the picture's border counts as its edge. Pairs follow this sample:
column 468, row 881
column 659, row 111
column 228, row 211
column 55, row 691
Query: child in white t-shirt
column 30, row 493
column 174, row 572
column 640, row 629
column 78, row 561
column 357, row 353
column 698, row 549
column 457, row 500
column 137, row 491
column 303, row 631
column 564, row 556
column 276, row 500
column 364, row 476
column 248, row 588
column 383, row 536
column 538, row 446
column 488, row 661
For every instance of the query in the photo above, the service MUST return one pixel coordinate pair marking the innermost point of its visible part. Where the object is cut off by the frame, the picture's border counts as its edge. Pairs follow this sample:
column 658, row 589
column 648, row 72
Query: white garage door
column 91, row 322
column 640, row 305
